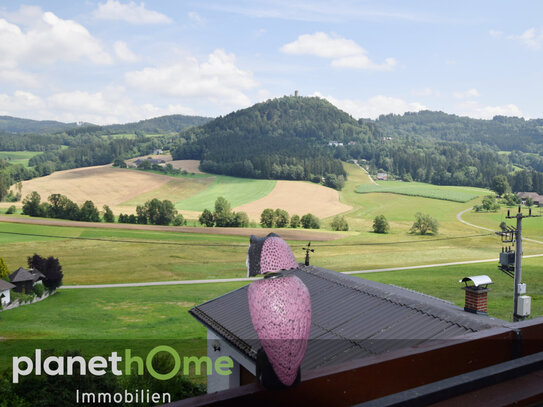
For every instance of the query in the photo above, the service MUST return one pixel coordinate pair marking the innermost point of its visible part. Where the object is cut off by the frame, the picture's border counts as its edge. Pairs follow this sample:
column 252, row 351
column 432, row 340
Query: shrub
column 38, row 290
column 295, row 221
column 380, row 224
column 310, row 221
column 339, row 223
column 12, row 209
column 424, row 223
column 241, row 220
column 179, row 220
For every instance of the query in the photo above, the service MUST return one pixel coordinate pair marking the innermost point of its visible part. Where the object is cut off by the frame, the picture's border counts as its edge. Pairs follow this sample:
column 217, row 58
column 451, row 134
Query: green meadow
column 17, row 157
column 419, row 189
column 237, row 191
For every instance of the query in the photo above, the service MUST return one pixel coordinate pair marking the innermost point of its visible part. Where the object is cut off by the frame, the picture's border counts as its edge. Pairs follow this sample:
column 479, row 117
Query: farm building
column 152, row 161
column 538, row 199
column 352, row 318
column 5, row 289
column 382, row 176
column 24, row 279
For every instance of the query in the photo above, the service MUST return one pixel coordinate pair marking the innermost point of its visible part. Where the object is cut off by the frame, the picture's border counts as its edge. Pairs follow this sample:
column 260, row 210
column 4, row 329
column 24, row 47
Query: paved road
column 459, row 217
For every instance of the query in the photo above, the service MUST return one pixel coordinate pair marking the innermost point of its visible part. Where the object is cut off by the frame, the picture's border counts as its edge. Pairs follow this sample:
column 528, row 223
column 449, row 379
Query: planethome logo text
column 118, row 365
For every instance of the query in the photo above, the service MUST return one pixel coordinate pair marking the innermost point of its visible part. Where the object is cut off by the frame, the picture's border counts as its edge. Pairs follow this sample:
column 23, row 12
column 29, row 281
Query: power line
column 238, row 245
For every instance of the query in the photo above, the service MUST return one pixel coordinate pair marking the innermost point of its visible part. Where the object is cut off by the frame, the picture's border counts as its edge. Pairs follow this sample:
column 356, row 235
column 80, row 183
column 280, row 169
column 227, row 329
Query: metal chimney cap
column 477, row 280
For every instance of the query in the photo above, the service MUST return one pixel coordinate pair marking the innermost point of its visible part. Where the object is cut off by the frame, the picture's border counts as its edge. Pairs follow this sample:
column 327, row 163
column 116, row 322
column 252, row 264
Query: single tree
column 503, row 226
column 267, row 218
column 424, row 223
column 206, row 218
column 380, row 224
column 4, row 271
column 295, row 221
column 108, row 215
column 50, row 267
column 281, row 218
column 339, row 224
column 241, row 219
column 500, row 185
column 310, row 221
column 31, row 204
column 11, row 210
column 179, row 220
column 223, row 215
column 89, row 213
column 529, row 202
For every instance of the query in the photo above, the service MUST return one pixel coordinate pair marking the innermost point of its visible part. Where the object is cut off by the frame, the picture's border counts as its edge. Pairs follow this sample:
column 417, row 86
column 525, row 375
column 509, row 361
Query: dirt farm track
column 288, row 234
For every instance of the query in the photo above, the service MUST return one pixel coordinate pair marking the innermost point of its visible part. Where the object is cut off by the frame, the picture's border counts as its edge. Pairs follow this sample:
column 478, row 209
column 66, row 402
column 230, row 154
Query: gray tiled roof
column 21, row 275
column 4, row 285
column 351, row 318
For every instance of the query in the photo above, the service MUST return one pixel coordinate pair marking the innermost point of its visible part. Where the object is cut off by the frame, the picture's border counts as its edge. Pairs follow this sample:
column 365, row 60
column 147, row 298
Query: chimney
column 476, row 294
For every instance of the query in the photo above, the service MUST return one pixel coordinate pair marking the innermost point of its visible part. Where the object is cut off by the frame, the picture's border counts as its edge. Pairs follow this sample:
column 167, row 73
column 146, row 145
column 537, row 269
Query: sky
column 118, row 61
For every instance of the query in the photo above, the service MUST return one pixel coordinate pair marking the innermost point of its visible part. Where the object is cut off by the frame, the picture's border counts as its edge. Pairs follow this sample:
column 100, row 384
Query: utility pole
column 515, row 235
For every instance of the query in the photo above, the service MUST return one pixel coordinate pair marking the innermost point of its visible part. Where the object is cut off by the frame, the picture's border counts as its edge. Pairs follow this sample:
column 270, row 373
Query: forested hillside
column 447, row 149
column 282, row 138
column 10, row 124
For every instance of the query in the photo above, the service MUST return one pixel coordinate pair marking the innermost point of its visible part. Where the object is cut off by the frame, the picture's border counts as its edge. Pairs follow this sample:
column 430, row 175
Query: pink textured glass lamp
column 280, row 308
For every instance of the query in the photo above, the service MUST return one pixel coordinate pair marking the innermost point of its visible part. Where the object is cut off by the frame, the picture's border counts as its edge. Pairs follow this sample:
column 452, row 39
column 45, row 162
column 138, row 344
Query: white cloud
column 343, row 52
column 218, row 79
column 470, row 93
column 124, row 53
column 478, row 111
column 495, row 33
column 425, row 92
column 18, row 77
column 373, row 107
column 111, row 105
column 532, row 38
column 196, row 18
column 47, row 39
column 129, row 12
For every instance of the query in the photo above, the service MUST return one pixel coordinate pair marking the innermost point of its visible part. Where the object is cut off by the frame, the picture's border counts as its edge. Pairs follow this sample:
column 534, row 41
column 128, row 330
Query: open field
column 298, row 198
column 125, row 255
column 447, row 193
column 17, row 157
column 187, row 165
column 237, row 191
column 101, row 184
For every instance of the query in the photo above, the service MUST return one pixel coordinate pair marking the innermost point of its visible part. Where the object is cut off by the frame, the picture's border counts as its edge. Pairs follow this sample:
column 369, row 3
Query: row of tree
column 61, row 207
column 154, row 212
column 223, row 216
column 280, row 218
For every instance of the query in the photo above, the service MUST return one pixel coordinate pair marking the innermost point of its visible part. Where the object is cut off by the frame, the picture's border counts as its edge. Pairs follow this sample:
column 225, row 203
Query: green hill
column 285, row 138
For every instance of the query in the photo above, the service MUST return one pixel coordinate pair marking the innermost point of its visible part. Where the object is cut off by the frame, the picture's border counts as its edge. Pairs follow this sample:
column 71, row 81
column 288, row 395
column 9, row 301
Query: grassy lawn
column 18, row 157
column 237, row 191
column 442, row 282
column 99, row 321
column 447, row 193
column 531, row 228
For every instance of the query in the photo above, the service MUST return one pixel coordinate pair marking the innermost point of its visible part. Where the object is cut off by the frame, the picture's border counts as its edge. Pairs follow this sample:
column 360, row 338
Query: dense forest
column 447, row 149
column 284, row 138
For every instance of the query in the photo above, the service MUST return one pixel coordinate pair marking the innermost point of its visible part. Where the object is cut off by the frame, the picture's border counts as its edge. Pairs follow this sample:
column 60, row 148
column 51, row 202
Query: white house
column 5, row 289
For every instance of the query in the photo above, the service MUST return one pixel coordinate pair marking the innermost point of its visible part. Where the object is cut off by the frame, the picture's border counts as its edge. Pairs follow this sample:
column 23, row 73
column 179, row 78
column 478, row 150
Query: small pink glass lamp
column 280, row 308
